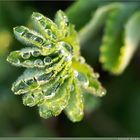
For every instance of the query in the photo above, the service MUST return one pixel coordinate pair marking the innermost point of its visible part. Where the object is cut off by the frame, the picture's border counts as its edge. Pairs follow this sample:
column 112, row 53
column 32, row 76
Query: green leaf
column 88, row 78
column 34, row 57
column 131, row 41
column 54, row 106
column 75, row 107
column 45, row 26
column 28, row 37
column 62, row 22
column 113, row 37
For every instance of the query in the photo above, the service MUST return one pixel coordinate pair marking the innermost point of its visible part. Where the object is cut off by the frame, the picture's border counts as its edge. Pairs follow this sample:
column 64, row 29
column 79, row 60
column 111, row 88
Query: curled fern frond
column 57, row 76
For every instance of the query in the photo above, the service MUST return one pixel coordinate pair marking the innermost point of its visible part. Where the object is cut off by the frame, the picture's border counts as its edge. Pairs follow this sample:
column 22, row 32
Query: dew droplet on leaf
column 45, row 77
column 30, row 82
column 47, row 60
column 44, row 112
column 35, row 53
column 16, row 61
column 25, row 55
column 37, row 16
column 27, row 62
column 38, row 62
column 83, row 79
column 28, row 100
column 20, row 30
column 39, row 40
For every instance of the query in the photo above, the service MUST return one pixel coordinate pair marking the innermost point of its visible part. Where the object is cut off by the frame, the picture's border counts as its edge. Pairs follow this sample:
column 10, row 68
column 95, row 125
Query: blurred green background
column 116, row 114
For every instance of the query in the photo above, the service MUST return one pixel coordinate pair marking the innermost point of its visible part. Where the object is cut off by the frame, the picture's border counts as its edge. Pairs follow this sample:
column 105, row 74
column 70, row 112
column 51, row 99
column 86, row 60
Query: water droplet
column 39, row 97
column 28, row 100
column 45, row 77
column 44, row 112
column 28, row 35
column 102, row 92
column 49, row 32
column 69, row 58
column 47, row 60
column 47, row 45
column 54, row 36
column 49, row 94
column 67, row 46
column 28, row 62
column 22, row 85
column 37, row 16
column 38, row 62
column 96, row 75
column 62, row 52
column 20, row 30
column 43, row 23
column 56, row 86
column 30, row 82
column 25, row 55
column 35, row 53
column 83, row 79
column 38, row 39
column 15, row 61
column 81, row 60
column 66, row 20
column 75, row 73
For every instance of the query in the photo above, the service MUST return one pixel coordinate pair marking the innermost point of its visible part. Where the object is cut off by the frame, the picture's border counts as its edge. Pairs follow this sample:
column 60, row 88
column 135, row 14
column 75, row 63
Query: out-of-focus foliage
column 116, row 51
column 83, row 9
column 114, row 16
column 131, row 41
column 118, row 112
column 5, row 41
column 114, row 56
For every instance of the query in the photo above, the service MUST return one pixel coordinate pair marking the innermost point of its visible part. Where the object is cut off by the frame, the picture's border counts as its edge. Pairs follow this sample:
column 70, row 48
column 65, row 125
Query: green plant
column 121, row 33
column 57, row 77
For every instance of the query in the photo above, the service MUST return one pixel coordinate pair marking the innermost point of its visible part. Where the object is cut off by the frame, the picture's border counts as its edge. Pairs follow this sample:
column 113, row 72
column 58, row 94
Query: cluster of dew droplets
column 46, row 56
